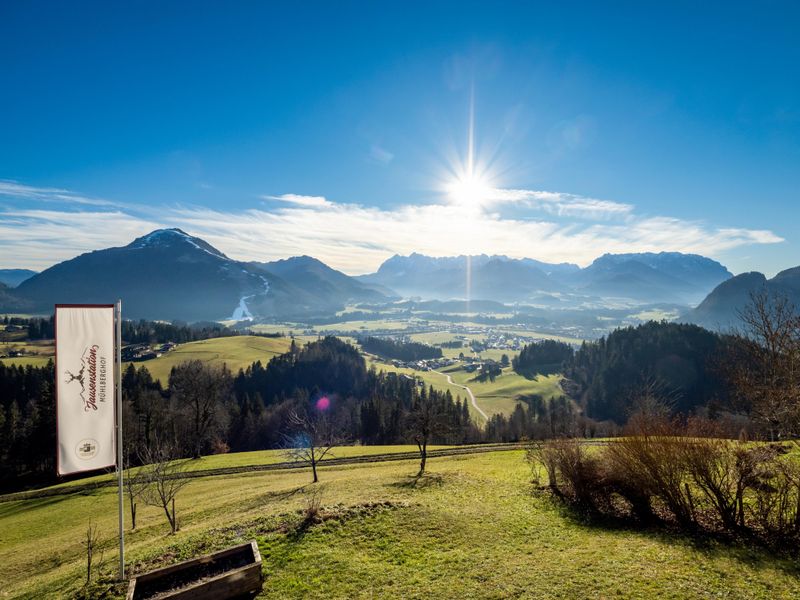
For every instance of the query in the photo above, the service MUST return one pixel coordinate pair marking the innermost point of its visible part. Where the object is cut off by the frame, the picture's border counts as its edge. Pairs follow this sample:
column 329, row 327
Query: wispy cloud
column 37, row 239
column 561, row 204
column 356, row 238
column 14, row 189
column 380, row 155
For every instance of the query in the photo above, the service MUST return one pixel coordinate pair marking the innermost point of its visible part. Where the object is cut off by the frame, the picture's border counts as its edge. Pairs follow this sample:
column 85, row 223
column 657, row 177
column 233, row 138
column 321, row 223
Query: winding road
column 469, row 391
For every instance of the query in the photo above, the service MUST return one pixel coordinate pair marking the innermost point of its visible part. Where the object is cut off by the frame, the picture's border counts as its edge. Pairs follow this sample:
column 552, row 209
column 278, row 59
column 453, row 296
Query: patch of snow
column 163, row 236
column 242, row 312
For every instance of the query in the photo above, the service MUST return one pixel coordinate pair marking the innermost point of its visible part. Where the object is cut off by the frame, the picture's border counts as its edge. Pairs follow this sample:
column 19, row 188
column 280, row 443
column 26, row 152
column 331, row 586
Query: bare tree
column 426, row 420
column 164, row 473
column 136, row 484
column 200, row 392
column 312, row 435
column 90, row 543
column 763, row 365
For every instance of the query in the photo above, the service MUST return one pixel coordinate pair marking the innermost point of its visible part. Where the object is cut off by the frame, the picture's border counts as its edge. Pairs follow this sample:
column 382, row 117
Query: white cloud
column 14, row 189
column 36, row 239
column 356, row 239
column 561, row 204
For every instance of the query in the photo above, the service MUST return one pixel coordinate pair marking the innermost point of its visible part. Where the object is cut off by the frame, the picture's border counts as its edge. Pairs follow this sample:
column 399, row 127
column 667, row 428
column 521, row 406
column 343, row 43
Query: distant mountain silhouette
column 10, row 302
column 166, row 274
column 491, row 277
column 169, row 274
column 650, row 277
column 647, row 277
column 720, row 309
column 314, row 277
column 13, row 277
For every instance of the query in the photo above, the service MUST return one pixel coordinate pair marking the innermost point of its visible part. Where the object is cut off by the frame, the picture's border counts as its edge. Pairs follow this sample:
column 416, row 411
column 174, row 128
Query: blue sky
column 341, row 130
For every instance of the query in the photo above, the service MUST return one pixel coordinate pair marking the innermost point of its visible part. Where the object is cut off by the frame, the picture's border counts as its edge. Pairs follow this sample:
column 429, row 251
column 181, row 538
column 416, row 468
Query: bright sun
column 469, row 190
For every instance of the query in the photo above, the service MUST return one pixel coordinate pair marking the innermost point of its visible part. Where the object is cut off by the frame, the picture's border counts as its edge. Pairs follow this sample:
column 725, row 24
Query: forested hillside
column 542, row 357
column 678, row 362
column 208, row 410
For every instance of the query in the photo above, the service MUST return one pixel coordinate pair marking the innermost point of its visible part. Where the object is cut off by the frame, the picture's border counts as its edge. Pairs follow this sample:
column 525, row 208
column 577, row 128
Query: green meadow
column 235, row 352
column 473, row 527
column 504, row 393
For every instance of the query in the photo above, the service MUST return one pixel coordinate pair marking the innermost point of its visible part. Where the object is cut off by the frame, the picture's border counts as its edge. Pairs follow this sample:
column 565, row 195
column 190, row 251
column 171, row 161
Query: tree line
column 133, row 332
column 542, row 357
column 406, row 351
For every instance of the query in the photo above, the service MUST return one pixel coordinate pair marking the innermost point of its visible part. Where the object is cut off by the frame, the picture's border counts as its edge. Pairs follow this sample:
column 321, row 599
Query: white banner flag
column 85, row 387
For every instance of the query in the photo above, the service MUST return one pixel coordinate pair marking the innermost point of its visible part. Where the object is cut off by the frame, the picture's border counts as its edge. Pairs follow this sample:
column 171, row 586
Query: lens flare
column 323, row 403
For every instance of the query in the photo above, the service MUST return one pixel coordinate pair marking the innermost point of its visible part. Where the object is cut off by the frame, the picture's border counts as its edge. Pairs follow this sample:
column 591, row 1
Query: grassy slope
column 258, row 457
column 500, row 395
column 438, row 381
column 474, row 528
column 34, row 361
column 236, row 352
column 41, row 352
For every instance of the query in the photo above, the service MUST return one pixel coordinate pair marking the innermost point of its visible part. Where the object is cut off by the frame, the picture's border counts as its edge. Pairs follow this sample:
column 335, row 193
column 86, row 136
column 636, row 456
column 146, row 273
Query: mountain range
column 720, row 309
column 13, row 277
column 169, row 274
column 666, row 277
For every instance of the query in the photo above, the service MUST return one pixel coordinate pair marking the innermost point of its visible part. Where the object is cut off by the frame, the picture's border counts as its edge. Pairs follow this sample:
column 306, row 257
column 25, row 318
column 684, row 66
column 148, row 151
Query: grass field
column 34, row 361
column 365, row 325
column 501, row 395
column 236, row 352
column 473, row 528
column 286, row 329
column 247, row 459
column 430, row 378
column 41, row 352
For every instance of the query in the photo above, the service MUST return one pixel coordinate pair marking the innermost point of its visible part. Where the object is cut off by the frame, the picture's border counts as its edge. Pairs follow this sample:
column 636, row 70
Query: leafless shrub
column 571, row 471
column 775, row 507
column 685, row 473
column 543, row 454
column 91, row 544
column 313, row 505
column 645, row 463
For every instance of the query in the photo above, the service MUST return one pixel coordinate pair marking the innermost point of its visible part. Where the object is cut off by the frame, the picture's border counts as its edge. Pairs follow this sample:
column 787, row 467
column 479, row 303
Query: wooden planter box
column 231, row 573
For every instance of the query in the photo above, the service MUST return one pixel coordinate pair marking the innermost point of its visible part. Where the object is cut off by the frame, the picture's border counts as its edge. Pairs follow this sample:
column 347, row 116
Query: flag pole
column 119, row 440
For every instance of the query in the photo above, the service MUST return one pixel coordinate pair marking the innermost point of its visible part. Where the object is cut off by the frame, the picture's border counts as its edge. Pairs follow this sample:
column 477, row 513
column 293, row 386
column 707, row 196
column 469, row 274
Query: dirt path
column 469, row 391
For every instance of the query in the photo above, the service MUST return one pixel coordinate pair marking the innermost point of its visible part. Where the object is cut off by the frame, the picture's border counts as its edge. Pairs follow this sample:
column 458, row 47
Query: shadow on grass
column 745, row 548
column 261, row 500
column 8, row 509
column 544, row 370
column 416, row 482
